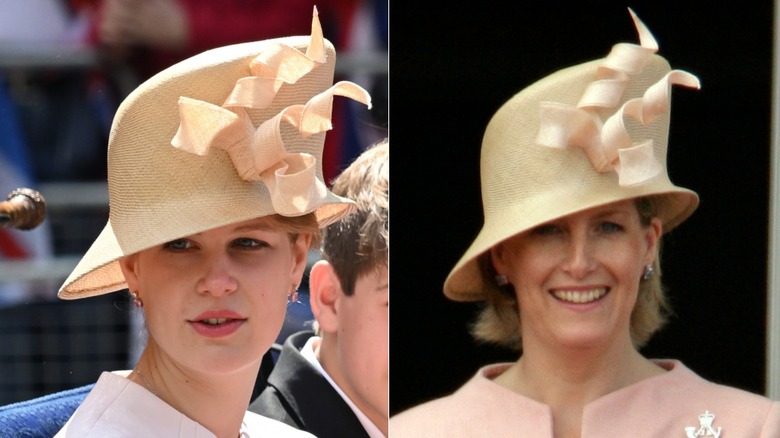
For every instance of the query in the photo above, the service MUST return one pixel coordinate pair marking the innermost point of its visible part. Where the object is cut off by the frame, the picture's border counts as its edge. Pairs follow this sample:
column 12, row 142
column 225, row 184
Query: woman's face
column 577, row 278
column 215, row 301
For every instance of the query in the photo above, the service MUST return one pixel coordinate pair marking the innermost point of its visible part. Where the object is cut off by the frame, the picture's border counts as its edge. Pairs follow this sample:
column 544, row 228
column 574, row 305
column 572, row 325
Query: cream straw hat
column 585, row 136
column 229, row 135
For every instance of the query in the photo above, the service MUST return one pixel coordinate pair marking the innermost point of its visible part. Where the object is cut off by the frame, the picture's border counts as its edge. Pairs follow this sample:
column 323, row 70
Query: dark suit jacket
column 297, row 394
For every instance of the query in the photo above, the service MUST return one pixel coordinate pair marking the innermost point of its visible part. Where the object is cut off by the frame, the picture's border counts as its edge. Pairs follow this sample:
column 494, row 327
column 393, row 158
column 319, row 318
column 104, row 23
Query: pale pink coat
column 665, row 406
column 119, row 408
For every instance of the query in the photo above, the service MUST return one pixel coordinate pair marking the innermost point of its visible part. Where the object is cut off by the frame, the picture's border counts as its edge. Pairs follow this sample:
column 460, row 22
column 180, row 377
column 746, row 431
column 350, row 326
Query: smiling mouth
column 580, row 296
column 215, row 321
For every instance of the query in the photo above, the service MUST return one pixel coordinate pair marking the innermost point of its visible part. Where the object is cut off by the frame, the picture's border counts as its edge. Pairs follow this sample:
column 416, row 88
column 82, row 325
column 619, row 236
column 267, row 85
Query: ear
column 653, row 239
column 324, row 293
column 300, row 253
column 497, row 258
column 129, row 267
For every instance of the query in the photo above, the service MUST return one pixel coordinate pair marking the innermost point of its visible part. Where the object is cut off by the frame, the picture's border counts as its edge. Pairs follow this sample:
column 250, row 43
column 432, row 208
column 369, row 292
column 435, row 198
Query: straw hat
column 229, row 135
column 585, row 136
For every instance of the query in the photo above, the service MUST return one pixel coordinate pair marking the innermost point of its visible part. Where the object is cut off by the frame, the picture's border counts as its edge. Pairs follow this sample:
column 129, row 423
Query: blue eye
column 178, row 245
column 611, row 227
column 545, row 230
column 245, row 242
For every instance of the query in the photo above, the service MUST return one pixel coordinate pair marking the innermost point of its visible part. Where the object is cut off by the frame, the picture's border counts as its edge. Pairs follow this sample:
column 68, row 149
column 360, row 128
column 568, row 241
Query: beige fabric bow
column 607, row 144
column 259, row 153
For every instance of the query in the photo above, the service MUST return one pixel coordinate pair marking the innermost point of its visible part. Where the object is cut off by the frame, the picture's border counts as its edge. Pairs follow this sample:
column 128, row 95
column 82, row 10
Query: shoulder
column 682, row 381
column 256, row 425
column 684, row 399
column 480, row 407
column 422, row 419
column 88, row 416
column 731, row 404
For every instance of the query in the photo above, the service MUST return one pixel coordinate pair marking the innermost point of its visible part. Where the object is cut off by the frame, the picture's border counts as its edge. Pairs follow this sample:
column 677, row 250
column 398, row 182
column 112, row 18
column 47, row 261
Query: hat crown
column 518, row 173
column 156, row 187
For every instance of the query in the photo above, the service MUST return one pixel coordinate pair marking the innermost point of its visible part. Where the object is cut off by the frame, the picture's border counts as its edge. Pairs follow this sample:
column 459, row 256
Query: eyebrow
column 258, row 226
column 261, row 226
column 613, row 212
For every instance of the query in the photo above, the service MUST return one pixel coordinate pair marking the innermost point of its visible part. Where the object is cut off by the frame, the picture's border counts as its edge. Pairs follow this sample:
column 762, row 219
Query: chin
column 230, row 360
column 585, row 338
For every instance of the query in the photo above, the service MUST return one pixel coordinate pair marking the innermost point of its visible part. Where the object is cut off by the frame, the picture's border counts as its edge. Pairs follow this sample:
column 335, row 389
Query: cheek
column 271, row 275
column 377, row 333
column 628, row 259
column 530, row 257
column 267, row 308
column 162, row 297
column 529, row 271
column 366, row 329
column 164, row 315
column 269, row 297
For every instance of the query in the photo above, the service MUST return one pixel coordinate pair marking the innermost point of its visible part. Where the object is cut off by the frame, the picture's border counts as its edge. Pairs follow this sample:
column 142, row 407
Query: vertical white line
column 773, row 291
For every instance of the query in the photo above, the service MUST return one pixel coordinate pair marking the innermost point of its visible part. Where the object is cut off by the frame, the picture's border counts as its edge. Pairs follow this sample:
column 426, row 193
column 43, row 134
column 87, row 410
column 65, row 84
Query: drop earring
column 501, row 280
column 648, row 273
column 137, row 301
column 292, row 297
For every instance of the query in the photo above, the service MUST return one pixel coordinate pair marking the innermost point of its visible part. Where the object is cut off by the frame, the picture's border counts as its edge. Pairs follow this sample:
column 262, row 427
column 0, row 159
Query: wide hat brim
column 99, row 273
column 525, row 184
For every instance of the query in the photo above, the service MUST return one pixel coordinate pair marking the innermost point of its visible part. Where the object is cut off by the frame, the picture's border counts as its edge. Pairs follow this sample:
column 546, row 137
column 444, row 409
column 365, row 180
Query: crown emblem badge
column 705, row 428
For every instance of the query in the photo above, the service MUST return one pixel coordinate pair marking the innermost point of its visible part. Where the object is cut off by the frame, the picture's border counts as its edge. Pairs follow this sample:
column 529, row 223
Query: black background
column 451, row 67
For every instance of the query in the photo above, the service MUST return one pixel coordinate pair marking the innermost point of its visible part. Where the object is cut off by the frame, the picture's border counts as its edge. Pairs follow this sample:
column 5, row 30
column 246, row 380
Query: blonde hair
column 295, row 226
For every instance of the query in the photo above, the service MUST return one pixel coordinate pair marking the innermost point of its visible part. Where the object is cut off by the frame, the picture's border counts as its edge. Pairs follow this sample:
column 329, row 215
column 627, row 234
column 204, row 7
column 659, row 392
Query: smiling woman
column 578, row 277
column 216, row 196
column 576, row 198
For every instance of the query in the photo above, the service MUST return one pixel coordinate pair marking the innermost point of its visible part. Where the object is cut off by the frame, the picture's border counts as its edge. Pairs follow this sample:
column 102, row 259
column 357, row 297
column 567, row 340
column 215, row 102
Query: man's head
column 349, row 287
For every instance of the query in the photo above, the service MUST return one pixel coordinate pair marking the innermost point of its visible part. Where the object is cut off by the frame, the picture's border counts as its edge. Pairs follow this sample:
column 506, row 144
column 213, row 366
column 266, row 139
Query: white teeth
column 215, row 321
column 580, row 297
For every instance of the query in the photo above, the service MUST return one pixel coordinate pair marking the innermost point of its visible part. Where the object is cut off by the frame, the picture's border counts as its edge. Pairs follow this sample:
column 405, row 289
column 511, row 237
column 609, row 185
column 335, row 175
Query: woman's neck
column 196, row 394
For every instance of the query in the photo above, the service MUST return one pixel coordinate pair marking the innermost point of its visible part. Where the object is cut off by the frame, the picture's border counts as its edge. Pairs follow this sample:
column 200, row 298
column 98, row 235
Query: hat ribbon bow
column 258, row 153
column 607, row 144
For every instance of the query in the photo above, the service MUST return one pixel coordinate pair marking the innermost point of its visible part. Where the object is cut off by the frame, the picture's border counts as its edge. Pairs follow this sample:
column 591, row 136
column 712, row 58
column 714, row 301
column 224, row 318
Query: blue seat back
column 40, row 417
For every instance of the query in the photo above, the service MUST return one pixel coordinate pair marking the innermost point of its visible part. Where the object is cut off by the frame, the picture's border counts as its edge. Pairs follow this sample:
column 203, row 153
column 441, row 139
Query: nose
column 580, row 260
column 216, row 278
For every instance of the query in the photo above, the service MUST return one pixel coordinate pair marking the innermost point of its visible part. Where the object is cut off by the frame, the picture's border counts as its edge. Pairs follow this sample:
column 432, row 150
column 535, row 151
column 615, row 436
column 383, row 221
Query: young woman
column 216, row 196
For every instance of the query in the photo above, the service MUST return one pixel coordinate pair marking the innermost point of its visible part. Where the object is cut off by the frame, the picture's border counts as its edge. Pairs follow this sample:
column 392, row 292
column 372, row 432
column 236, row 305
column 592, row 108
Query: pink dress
column 677, row 403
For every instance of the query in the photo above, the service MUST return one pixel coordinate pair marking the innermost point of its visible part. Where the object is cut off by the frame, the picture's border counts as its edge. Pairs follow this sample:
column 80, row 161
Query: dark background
column 451, row 67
